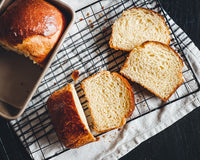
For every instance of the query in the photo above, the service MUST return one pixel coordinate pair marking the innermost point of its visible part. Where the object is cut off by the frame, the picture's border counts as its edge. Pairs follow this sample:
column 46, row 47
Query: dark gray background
column 181, row 141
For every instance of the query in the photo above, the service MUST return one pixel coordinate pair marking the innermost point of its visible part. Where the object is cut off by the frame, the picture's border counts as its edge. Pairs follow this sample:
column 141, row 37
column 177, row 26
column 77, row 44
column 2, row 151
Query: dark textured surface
column 12, row 148
column 178, row 142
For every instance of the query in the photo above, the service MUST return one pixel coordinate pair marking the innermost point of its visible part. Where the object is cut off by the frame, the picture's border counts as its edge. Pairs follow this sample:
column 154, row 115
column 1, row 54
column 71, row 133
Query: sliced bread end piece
column 68, row 118
column 110, row 100
column 155, row 66
column 137, row 25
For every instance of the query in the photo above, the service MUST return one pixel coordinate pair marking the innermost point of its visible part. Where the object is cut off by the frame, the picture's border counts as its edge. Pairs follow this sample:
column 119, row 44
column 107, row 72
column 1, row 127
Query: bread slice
column 110, row 100
column 136, row 26
column 155, row 66
column 68, row 118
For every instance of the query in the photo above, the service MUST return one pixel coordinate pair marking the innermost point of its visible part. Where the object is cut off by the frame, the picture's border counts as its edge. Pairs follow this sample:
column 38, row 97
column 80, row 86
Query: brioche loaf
column 110, row 100
column 68, row 118
column 136, row 26
column 31, row 28
column 155, row 66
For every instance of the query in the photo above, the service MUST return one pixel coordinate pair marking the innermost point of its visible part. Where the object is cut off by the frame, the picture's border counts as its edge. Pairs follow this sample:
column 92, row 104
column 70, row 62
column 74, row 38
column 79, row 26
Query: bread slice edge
column 180, row 72
column 119, row 48
column 132, row 100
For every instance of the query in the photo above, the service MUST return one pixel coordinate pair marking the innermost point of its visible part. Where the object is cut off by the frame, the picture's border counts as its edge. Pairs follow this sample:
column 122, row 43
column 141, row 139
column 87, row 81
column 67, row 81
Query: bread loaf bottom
column 68, row 118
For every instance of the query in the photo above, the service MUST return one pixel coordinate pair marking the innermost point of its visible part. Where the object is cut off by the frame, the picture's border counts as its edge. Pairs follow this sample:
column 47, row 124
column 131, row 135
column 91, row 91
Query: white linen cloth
column 117, row 143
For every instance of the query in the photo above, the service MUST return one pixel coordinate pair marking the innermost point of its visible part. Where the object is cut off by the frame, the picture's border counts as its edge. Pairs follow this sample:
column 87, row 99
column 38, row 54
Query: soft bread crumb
column 136, row 26
column 155, row 66
column 110, row 100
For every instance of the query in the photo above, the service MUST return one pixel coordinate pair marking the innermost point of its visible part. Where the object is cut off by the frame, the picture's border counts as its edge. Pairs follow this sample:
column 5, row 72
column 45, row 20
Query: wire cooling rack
column 86, row 49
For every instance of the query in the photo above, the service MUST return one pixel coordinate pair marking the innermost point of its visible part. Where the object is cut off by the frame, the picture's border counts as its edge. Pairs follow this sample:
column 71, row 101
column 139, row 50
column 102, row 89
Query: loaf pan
column 19, row 77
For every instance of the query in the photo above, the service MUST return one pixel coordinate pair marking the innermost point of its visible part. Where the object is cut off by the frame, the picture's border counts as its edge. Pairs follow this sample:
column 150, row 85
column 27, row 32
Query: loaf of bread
column 110, row 100
column 155, row 66
column 68, row 118
column 136, row 26
column 31, row 28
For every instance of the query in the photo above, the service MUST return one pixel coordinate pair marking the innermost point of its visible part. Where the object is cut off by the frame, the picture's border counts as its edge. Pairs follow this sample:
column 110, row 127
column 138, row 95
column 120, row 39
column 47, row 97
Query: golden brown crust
column 32, row 27
column 165, row 45
column 123, row 122
column 151, row 11
column 132, row 100
column 26, row 18
column 131, row 94
column 65, row 117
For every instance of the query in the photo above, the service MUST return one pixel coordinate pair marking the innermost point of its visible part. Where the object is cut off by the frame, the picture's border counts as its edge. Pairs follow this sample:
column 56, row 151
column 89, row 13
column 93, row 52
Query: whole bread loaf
column 31, row 28
column 137, row 25
column 110, row 100
column 155, row 66
column 68, row 118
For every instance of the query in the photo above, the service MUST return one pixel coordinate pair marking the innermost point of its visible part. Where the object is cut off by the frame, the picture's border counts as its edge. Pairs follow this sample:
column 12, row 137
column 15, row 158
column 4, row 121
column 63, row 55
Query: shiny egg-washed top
column 26, row 18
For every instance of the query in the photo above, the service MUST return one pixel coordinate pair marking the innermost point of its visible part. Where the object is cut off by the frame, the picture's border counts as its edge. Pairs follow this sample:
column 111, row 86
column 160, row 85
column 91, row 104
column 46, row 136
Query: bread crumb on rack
column 104, row 30
column 91, row 26
column 75, row 75
column 100, row 15
column 98, row 138
column 119, row 129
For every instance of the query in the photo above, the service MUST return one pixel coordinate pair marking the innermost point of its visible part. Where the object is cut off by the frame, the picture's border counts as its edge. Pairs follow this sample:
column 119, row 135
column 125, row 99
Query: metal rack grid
column 86, row 49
